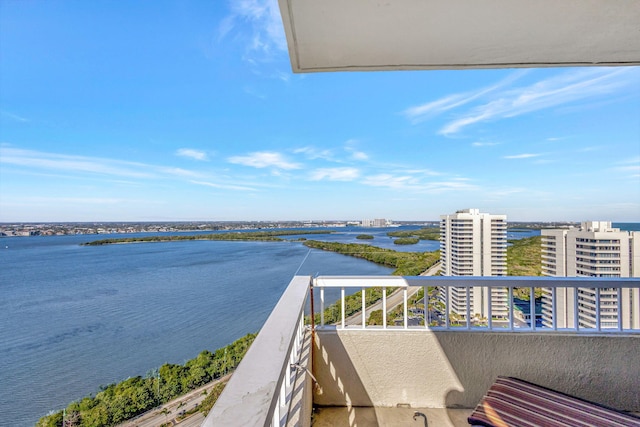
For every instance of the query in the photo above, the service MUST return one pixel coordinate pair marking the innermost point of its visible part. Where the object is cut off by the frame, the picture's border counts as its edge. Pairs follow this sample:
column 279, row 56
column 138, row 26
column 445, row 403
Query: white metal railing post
column 447, row 321
column 490, row 310
column 468, row 307
column 510, row 304
column 576, row 309
column 532, row 308
column 427, row 312
column 364, row 308
column 554, row 309
column 276, row 414
column 384, row 308
column 322, row 306
column 406, row 308
column 620, row 308
column 282, row 399
column 598, row 319
column 343, row 308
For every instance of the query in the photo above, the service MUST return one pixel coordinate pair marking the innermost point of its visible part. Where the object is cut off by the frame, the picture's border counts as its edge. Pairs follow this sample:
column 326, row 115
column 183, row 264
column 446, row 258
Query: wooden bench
column 511, row 402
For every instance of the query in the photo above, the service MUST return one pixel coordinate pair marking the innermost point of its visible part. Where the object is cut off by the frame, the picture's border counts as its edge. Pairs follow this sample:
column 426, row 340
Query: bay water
column 73, row 318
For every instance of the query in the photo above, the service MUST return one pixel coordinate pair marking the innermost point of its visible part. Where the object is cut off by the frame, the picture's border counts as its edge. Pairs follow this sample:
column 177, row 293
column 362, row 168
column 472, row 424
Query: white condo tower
column 593, row 250
column 474, row 244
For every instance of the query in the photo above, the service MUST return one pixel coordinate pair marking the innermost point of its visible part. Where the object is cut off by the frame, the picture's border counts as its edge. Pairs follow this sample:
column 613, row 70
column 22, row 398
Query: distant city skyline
column 189, row 111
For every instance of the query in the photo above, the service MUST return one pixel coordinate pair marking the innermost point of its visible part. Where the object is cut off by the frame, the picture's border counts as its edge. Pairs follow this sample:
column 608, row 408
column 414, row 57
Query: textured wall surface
column 454, row 369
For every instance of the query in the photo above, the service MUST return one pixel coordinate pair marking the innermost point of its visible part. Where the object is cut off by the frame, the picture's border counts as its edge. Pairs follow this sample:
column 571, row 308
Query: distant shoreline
column 261, row 236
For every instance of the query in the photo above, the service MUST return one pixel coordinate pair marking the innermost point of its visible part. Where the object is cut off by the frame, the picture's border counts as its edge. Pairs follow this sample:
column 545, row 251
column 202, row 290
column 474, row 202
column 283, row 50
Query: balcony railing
column 435, row 319
column 262, row 389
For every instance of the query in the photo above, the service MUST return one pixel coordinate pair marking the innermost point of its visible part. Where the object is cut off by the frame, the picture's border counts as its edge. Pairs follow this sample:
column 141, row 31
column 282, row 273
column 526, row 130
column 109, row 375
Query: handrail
column 498, row 316
column 260, row 388
column 259, row 392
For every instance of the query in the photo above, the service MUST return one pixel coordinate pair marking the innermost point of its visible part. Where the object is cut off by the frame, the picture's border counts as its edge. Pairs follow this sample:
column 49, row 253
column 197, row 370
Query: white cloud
column 251, row 91
column 13, row 117
column 264, row 159
column 265, row 36
column 566, row 88
column 71, row 163
column 350, row 146
column 427, row 172
column 422, row 112
column 631, row 160
column 39, row 161
column 191, row 153
column 313, row 153
column 223, row 186
column 522, row 156
column 448, row 186
column 411, row 183
column 335, row 174
column 484, row 144
column 392, row 181
column 179, row 172
column 507, row 192
column 589, row 149
column 359, row 155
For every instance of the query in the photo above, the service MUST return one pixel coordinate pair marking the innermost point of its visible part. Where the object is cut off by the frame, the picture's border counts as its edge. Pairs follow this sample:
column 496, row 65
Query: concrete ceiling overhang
column 356, row 35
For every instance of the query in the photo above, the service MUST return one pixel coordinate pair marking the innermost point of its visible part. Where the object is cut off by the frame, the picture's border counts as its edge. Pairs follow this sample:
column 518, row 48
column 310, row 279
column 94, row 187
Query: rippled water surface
column 75, row 317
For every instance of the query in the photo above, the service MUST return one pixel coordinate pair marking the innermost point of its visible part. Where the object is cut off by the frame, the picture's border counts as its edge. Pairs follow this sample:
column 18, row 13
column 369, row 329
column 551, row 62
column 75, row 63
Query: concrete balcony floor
column 376, row 416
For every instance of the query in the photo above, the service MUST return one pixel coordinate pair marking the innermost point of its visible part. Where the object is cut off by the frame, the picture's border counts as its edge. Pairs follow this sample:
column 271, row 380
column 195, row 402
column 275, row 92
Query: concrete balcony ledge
column 261, row 389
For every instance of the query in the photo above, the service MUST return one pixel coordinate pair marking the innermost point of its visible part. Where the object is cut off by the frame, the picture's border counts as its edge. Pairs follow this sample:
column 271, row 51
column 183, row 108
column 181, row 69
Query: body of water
column 75, row 317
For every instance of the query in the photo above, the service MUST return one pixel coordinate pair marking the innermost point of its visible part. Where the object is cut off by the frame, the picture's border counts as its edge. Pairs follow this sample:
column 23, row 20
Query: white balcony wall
column 454, row 369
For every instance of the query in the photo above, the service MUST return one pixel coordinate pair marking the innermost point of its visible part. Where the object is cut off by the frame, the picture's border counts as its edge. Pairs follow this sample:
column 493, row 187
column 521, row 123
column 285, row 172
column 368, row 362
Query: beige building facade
column 595, row 249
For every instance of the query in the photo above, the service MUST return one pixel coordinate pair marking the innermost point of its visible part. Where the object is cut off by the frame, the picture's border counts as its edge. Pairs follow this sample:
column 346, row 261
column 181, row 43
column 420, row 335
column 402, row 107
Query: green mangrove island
column 261, row 236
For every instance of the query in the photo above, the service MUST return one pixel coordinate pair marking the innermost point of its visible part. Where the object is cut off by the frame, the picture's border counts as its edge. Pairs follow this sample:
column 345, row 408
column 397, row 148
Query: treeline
column 405, row 263
column 406, row 241
column 119, row 402
column 429, row 233
column 264, row 236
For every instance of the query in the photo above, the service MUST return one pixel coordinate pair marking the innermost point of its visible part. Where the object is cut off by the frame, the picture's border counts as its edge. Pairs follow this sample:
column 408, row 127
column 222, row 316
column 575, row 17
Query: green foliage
column 119, row 402
column 405, row 263
column 406, row 241
column 375, row 318
column 262, row 236
column 364, row 237
column 428, row 233
column 524, row 257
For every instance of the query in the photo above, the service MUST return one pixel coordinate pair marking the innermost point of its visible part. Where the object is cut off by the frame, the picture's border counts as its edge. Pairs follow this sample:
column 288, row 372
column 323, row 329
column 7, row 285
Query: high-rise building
column 474, row 244
column 595, row 249
column 378, row 222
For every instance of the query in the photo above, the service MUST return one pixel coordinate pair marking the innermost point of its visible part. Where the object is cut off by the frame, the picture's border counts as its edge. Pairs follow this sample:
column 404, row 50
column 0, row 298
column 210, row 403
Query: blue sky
column 188, row 110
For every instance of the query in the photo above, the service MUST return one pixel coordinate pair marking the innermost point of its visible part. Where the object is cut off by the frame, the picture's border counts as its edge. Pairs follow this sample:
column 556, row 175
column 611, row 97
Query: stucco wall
column 454, row 369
